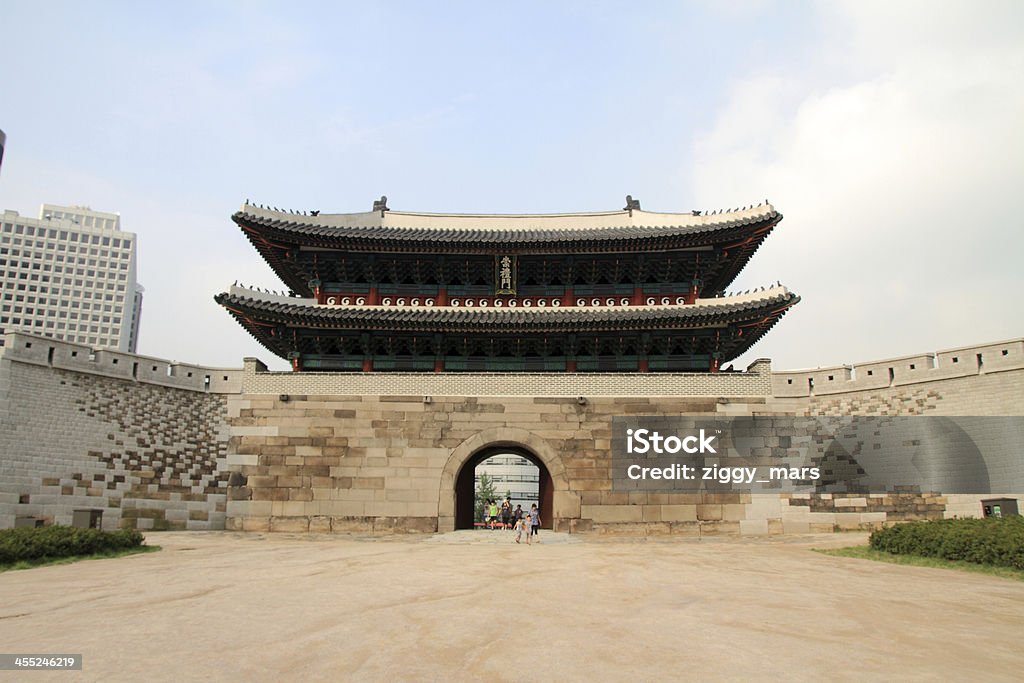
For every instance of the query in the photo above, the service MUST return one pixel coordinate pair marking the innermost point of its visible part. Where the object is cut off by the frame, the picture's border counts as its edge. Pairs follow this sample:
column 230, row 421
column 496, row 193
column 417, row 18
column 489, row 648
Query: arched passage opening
column 466, row 512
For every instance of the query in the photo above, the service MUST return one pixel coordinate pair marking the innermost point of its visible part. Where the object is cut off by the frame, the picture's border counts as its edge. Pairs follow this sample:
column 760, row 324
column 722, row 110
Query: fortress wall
column 990, row 393
column 327, row 461
column 44, row 351
column 960, row 388
column 964, row 362
column 77, row 433
column 158, row 445
column 369, row 463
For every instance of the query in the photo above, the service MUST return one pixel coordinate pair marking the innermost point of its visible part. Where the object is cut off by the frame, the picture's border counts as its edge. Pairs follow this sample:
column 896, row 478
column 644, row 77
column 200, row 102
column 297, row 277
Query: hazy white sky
column 889, row 134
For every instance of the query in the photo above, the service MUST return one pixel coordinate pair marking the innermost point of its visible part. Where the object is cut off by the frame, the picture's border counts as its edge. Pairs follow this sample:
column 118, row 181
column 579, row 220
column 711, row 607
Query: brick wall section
column 146, row 454
column 755, row 381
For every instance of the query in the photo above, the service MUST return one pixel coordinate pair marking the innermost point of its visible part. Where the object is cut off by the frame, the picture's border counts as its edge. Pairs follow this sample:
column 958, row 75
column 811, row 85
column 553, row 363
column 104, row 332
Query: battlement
column 45, row 351
column 757, row 380
column 963, row 361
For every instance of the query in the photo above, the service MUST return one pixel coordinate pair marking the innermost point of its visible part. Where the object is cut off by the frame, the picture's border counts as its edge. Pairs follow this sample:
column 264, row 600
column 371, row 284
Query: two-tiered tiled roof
column 627, row 290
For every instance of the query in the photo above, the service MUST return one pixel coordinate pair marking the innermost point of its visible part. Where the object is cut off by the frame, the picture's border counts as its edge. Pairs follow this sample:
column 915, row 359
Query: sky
column 887, row 133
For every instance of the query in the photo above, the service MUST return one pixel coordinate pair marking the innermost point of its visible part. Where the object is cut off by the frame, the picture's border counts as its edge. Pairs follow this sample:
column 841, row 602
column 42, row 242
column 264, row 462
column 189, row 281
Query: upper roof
column 490, row 230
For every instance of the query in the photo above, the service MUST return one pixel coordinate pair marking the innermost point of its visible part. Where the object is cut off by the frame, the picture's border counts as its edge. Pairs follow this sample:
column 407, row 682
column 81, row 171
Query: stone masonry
column 79, row 432
column 182, row 446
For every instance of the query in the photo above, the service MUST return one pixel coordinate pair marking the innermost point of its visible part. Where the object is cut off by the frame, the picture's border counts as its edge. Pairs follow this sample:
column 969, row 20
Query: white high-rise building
column 70, row 274
column 511, row 474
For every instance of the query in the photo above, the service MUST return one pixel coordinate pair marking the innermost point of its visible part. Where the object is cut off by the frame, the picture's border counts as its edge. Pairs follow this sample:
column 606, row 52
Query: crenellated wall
column 960, row 363
column 168, row 445
column 141, row 439
column 310, row 459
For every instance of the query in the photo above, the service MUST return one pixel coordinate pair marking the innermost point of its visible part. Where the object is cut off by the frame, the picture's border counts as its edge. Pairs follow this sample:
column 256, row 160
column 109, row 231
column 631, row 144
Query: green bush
column 993, row 541
column 52, row 542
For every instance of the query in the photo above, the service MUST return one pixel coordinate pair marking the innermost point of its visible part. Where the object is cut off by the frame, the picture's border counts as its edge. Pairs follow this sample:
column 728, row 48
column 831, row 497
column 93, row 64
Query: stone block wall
column 330, row 462
column 325, row 461
column 79, row 434
column 164, row 445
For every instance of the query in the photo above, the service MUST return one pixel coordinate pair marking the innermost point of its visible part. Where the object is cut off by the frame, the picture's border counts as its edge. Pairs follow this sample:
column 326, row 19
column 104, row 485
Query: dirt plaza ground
column 474, row 606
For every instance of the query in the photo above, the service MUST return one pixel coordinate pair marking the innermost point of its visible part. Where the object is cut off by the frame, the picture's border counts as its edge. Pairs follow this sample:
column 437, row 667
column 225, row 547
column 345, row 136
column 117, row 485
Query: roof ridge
column 259, row 209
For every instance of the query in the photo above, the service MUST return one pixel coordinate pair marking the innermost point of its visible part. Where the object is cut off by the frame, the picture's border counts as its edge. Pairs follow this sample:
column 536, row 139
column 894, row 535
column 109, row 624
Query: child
column 494, row 514
column 520, row 523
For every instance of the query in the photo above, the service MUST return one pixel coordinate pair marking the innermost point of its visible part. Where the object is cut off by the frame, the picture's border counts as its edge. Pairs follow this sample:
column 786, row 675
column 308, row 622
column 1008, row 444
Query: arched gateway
column 427, row 320
column 455, row 507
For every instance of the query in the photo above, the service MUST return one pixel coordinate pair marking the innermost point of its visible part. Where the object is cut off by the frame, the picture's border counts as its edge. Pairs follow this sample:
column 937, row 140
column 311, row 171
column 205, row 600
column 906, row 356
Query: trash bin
column 87, row 519
column 999, row 507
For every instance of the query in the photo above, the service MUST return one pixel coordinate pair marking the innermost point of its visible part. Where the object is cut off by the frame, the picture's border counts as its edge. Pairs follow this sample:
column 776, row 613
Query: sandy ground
column 474, row 606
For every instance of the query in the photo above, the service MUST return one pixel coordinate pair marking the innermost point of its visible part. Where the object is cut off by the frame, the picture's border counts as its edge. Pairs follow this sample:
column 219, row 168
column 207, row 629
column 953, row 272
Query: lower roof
column 265, row 315
column 301, row 312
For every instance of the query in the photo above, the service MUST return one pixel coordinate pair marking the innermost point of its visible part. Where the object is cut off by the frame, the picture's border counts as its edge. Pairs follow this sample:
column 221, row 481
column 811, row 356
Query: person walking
column 494, row 513
column 534, row 524
column 520, row 523
column 506, row 513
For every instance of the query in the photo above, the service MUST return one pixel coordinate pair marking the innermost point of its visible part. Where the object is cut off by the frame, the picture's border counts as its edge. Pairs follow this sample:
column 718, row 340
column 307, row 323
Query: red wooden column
column 366, row 344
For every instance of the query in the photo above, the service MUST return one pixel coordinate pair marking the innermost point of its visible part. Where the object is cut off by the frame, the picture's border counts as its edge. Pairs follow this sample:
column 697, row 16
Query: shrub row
column 993, row 541
column 52, row 542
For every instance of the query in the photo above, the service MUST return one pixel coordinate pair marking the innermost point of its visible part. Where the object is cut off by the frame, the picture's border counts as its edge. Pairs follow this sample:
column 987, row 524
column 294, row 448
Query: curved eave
column 755, row 316
column 738, row 237
column 288, row 231
column 747, row 323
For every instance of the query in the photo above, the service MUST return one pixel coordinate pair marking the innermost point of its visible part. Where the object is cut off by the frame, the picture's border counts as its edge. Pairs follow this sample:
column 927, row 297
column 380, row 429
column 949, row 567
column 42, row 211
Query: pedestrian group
column 520, row 521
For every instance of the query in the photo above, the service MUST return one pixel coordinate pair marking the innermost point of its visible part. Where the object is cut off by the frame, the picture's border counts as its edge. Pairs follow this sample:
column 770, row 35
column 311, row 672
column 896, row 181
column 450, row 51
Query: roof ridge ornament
column 631, row 204
column 381, row 205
